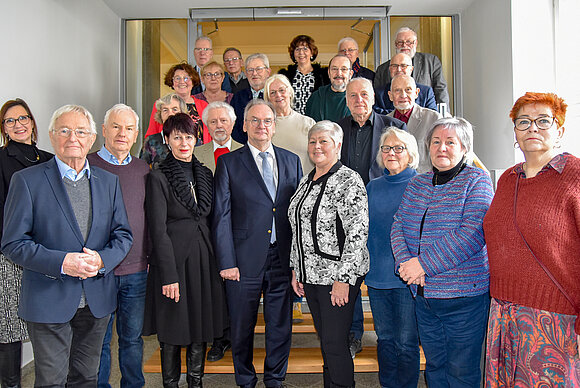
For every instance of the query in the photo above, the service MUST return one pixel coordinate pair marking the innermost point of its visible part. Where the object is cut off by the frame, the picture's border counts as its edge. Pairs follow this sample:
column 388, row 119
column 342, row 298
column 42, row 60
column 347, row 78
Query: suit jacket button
column 274, row 209
column 269, row 231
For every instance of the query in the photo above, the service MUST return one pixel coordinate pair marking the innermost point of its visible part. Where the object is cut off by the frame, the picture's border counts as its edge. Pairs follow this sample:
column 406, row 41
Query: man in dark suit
column 349, row 47
column 258, row 71
column 427, row 67
column 66, row 225
column 203, row 54
column 252, row 238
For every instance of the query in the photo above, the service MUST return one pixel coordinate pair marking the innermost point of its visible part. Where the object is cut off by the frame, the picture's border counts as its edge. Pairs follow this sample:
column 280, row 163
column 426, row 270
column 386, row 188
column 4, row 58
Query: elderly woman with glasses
column 439, row 249
column 391, row 300
column 213, row 75
column 532, row 231
column 305, row 76
column 19, row 135
column 183, row 78
column 329, row 219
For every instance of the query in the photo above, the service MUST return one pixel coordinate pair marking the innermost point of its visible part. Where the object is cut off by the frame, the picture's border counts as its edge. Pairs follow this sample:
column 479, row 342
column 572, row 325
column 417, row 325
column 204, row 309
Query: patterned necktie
column 268, row 176
column 219, row 152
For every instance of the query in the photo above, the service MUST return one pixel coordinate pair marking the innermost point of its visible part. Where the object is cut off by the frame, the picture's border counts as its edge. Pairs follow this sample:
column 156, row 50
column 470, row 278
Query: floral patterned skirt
column 527, row 347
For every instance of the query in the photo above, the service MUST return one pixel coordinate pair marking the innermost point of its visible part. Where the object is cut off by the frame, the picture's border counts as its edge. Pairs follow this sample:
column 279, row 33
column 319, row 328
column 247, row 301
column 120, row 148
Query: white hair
column 121, row 108
column 72, row 108
column 347, row 39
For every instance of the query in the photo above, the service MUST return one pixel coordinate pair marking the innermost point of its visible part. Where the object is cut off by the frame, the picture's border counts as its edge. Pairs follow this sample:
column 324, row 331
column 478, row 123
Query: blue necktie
column 268, row 176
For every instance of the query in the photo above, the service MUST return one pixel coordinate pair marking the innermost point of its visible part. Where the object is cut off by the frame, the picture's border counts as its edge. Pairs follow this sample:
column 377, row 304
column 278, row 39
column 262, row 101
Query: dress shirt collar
column 404, row 117
column 255, row 152
column 112, row 159
column 67, row 171
column 240, row 77
column 256, row 93
column 557, row 163
column 370, row 120
column 228, row 145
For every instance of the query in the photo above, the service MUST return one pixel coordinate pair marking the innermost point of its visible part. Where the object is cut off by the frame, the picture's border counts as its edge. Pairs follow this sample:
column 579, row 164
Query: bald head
column 401, row 64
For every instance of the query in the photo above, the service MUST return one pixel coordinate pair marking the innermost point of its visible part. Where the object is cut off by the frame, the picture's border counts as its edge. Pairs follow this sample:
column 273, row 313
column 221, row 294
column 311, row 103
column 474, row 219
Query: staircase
column 302, row 359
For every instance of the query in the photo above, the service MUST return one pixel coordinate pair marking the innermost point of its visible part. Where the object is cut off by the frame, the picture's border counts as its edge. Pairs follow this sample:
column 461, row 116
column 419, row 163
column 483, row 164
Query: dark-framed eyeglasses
column 544, row 123
column 402, row 66
column 396, row 149
column 217, row 74
column 402, row 43
column 23, row 120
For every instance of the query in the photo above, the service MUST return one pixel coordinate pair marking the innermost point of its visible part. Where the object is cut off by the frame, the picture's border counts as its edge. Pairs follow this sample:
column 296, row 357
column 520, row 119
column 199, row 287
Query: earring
column 516, row 145
column 311, row 58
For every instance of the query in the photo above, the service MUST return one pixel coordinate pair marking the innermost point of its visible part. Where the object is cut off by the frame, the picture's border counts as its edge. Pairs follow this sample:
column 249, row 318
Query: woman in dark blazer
column 185, row 303
column 19, row 135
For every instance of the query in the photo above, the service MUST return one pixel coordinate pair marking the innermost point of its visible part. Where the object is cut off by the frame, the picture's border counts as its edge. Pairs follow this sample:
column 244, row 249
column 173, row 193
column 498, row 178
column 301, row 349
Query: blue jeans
column 130, row 310
column 398, row 338
column 358, row 320
column 452, row 332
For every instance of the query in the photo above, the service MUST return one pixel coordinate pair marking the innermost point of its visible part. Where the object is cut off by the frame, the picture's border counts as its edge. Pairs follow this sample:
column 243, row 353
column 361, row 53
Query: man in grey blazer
column 219, row 117
column 403, row 93
column 427, row 67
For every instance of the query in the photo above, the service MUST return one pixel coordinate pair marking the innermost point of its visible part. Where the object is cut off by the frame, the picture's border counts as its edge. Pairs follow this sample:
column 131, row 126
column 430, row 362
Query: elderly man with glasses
column 349, row 47
column 203, row 54
column 233, row 62
column 427, row 67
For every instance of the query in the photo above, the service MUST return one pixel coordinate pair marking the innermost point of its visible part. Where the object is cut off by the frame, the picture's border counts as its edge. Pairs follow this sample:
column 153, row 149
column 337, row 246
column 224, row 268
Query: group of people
column 290, row 187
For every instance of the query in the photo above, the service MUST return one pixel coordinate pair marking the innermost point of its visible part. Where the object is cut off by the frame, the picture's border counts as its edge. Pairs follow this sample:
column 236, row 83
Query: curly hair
column 555, row 103
column 185, row 67
column 302, row 39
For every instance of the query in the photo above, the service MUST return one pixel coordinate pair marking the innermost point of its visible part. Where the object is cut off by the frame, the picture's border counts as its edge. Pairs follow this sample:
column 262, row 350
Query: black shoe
column 218, row 349
column 354, row 345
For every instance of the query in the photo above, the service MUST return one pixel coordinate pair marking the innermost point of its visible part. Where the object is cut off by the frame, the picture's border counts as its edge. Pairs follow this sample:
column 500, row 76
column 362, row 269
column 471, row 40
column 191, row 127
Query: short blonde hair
column 407, row 139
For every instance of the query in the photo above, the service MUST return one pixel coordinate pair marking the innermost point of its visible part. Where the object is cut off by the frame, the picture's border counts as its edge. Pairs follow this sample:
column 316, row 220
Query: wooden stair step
column 307, row 325
column 302, row 360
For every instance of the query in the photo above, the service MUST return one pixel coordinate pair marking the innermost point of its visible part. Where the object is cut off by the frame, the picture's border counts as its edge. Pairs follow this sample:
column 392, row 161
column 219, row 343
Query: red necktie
column 219, row 152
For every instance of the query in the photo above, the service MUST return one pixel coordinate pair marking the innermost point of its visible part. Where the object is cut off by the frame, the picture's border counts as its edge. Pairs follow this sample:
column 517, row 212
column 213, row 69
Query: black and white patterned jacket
column 329, row 219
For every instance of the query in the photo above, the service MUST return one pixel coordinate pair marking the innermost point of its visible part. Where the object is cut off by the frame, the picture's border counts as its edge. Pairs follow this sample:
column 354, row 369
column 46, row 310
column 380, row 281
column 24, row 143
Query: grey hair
column 462, row 128
column 227, row 50
column 334, row 131
column 218, row 105
column 347, row 39
column 282, row 78
column 337, row 56
column 255, row 102
column 69, row 109
column 407, row 139
column 367, row 84
column 405, row 29
column 203, row 37
column 117, row 108
column 166, row 100
column 261, row 56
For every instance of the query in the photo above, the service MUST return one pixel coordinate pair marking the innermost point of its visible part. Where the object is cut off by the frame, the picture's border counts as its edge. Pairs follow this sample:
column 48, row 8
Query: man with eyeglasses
column 233, row 62
column 427, row 67
column 402, row 64
column 65, row 223
column 252, row 236
column 403, row 94
column 203, row 54
column 257, row 71
column 328, row 102
column 349, row 47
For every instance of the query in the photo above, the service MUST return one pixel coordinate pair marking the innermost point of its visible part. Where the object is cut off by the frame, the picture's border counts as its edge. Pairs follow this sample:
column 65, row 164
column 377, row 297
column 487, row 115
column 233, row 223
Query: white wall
column 57, row 52
column 488, row 79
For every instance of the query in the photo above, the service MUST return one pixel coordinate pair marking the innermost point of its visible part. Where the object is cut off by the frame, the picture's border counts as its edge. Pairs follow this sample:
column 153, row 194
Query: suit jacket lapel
column 282, row 164
column 415, row 118
column 249, row 162
column 98, row 195
column 55, row 181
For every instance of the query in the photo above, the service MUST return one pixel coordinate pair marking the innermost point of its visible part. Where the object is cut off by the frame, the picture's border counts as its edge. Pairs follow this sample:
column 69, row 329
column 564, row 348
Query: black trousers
column 68, row 354
column 332, row 324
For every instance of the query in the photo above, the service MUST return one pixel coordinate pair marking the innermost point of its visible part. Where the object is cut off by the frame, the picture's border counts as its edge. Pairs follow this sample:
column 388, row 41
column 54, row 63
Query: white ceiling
column 146, row 9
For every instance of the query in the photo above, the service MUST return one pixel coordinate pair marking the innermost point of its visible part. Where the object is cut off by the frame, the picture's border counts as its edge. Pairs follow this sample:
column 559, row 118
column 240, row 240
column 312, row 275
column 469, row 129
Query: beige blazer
column 204, row 153
column 419, row 124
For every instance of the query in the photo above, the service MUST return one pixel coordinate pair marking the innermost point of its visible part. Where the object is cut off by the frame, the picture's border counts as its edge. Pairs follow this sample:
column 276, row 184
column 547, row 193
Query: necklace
column 35, row 152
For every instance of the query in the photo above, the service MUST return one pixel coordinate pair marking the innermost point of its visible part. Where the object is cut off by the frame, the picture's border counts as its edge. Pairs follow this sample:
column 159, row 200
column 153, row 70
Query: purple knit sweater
column 453, row 252
column 132, row 177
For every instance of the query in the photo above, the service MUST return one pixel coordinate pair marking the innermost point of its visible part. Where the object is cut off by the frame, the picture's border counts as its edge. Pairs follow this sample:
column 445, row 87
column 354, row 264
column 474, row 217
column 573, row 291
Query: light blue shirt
column 112, row 159
column 69, row 172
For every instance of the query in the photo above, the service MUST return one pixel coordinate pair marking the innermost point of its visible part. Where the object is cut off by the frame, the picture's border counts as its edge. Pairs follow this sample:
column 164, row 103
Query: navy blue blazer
column 384, row 105
column 40, row 228
column 380, row 123
column 239, row 102
column 243, row 210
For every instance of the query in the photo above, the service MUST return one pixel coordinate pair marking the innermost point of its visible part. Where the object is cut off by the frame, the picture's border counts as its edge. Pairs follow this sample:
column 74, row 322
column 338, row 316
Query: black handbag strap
column 546, row 270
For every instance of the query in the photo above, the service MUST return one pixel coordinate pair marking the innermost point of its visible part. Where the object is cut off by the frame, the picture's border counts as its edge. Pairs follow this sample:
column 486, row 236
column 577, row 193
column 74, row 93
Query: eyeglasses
column 396, row 149
column 544, row 123
column 204, row 49
column 402, row 43
column 23, row 120
column 255, row 122
column 302, row 49
column 231, row 60
column 256, row 69
column 350, row 51
column 281, row 91
column 66, row 132
column 217, row 74
column 339, row 69
column 401, row 66
column 179, row 79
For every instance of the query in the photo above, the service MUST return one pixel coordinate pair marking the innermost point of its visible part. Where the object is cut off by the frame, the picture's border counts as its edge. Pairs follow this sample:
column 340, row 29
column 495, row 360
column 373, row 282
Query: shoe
column 354, row 345
column 297, row 316
column 218, row 349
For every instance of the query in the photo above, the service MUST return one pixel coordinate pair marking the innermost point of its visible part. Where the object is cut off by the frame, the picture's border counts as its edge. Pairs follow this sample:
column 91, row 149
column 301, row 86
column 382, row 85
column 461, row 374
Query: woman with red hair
column 532, row 231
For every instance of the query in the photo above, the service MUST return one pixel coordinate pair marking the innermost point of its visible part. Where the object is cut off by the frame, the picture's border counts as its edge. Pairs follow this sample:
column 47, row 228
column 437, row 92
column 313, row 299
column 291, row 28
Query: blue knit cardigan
column 453, row 252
